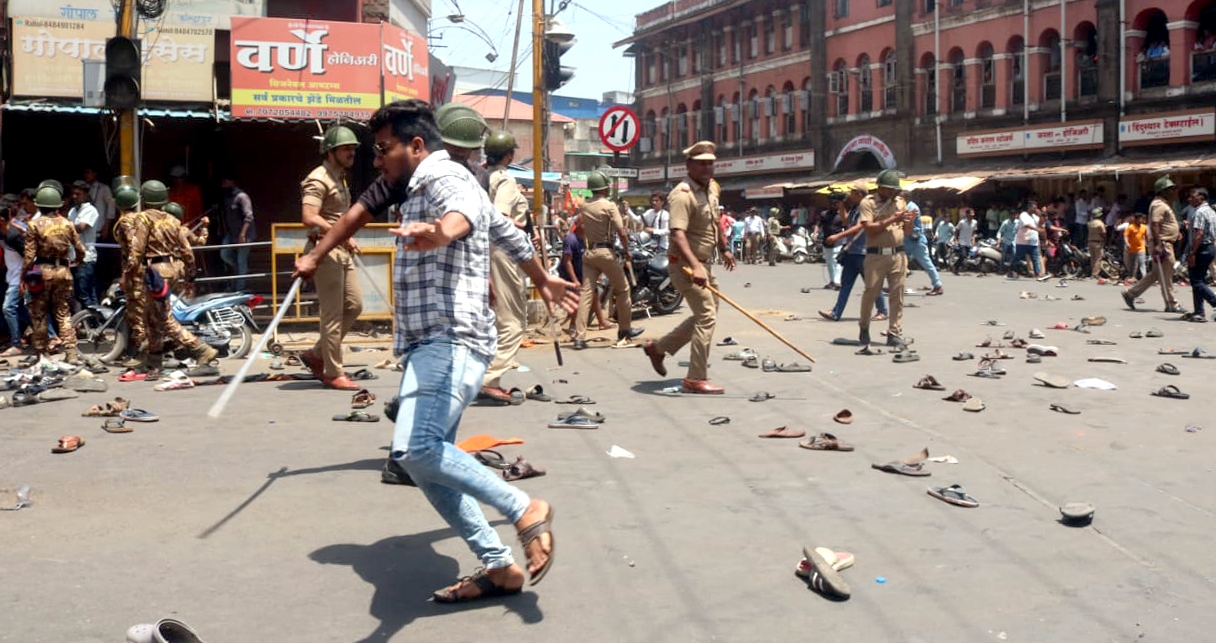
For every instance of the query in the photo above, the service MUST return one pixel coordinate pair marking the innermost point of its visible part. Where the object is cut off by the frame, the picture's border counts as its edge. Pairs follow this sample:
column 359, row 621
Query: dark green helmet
column 461, row 126
column 889, row 179
column 338, row 136
column 126, row 197
column 175, row 209
column 500, row 143
column 155, row 194
column 597, row 180
column 125, row 179
column 53, row 184
column 1164, row 183
column 48, row 197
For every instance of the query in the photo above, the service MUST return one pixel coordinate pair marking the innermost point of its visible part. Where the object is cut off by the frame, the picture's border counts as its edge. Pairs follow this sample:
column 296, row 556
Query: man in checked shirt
column 445, row 333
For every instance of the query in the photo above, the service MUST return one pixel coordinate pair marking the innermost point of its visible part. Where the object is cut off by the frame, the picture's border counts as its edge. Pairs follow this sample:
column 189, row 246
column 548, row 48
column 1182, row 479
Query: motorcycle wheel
column 106, row 345
column 987, row 266
column 1072, row 269
column 241, row 342
column 799, row 258
column 668, row 300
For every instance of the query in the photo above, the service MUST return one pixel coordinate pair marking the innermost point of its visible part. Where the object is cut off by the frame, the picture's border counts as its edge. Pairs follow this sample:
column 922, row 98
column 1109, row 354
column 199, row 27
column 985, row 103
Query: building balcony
column 1087, row 82
column 1155, row 73
column 1203, row 66
column 1052, row 89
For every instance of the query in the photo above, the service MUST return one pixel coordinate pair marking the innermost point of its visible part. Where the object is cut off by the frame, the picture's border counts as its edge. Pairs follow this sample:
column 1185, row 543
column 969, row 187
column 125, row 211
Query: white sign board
column 194, row 13
column 1069, row 136
column 652, row 174
column 1172, row 127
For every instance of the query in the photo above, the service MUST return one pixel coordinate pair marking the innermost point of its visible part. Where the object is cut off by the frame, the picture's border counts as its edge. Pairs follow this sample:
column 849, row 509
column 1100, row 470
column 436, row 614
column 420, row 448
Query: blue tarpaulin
column 551, row 181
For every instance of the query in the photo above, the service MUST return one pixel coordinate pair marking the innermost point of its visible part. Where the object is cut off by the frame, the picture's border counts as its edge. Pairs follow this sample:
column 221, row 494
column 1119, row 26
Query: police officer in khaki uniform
column 197, row 234
column 1096, row 235
column 695, row 235
column 46, row 276
column 131, row 278
column 885, row 218
column 506, row 279
column 326, row 198
column 158, row 242
column 1163, row 232
column 599, row 221
column 463, row 131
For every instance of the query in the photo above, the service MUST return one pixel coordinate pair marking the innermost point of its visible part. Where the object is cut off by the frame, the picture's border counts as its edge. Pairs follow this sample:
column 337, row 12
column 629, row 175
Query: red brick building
column 795, row 90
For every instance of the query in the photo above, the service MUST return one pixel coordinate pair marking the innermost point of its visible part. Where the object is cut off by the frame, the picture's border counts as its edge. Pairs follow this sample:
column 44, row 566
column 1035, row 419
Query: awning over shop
column 550, row 180
column 145, row 112
column 774, row 191
column 737, row 184
column 957, row 184
column 1114, row 167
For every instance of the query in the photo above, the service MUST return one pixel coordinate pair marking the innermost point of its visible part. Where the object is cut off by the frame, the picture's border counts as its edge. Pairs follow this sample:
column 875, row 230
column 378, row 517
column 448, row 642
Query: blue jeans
column 850, row 270
column 237, row 260
column 84, row 283
column 1006, row 255
column 15, row 313
column 829, row 257
column 1022, row 251
column 920, row 252
column 441, row 378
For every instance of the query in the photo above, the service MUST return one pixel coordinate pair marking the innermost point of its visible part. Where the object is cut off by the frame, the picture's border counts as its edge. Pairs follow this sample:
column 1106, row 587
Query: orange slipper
column 68, row 444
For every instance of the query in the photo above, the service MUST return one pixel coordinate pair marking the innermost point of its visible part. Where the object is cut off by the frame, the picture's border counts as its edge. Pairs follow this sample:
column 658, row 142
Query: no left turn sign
column 620, row 128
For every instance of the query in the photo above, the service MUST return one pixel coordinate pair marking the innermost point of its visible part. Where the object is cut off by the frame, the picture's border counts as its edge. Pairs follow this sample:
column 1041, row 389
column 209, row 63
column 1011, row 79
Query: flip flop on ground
column 357, row 416
column 783, row 432
column 929, row 383
column 955, row 495
column 825, row 442
column 915, row 469
column 68, row 444
column 1053, row 381
column 823, row 578
column 1173, row 392
column 837, row 560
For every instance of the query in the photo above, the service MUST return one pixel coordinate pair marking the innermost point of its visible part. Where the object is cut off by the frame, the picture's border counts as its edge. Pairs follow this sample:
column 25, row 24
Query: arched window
column 648, row 130
column 1203, row 58
column 958, row 82
column 698, row 120
column 1085, row 53
column 753, row 107
column 665, row 130
column 771, row 110
column 681, row 126
column 890, row 97
column 1017, row 70
column 865, row 85
column 720, row 119
column 1050, row 40
column 1154, row 56
column 929, row 68
column 789, row 109
column 838, row 85
column 987, row 75
column 804, row 103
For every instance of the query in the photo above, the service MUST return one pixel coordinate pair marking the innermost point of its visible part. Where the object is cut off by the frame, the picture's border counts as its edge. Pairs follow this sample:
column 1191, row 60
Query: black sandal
column 482, row 581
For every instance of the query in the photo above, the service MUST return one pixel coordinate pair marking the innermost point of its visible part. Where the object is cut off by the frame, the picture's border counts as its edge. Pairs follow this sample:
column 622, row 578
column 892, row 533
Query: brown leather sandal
column 482, row 581
column 520, row 470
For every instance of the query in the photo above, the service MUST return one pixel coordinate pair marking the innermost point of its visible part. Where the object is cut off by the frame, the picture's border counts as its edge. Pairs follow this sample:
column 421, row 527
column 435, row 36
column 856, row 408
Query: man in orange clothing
column 186, row 194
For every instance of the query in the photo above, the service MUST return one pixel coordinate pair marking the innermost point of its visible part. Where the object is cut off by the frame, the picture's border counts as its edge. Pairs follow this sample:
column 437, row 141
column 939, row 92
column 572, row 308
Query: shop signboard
column 213, row 14
column 1080, row 135
column 1190, row 126
column 49, row 55
column 726, row 166
column 649, row 174
column 305, row 69
column 867, row 143
column 405, row 64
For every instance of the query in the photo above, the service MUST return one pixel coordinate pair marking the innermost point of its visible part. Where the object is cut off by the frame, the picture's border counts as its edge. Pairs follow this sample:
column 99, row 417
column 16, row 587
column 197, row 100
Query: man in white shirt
column 656, row 220
column 103, row 199
column 964, row 234
column 753, row 227
column 1026, row 241
column 86, row 218
column 1080, row 218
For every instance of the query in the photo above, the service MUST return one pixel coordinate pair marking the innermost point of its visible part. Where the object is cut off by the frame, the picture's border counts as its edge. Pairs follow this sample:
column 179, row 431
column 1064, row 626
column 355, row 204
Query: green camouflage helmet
column 461, row 126
column 48, row 197
column 175, row 209
column 338, row 136
column 53, row 184
column 889, row 179
column 1164, row 183
column 597, row 180
column 155, row 194
column 126, row 197
column 125, row 179
column 500, row 143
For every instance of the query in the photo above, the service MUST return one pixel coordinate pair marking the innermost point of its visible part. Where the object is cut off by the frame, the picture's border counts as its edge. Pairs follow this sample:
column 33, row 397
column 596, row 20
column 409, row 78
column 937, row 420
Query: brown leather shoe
column 656, row 357
column 702, row 386
column 313, row 363
column 341, row 383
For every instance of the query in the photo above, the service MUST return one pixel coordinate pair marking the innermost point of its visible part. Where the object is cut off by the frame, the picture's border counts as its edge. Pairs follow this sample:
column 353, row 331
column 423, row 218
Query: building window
column 987, row 78
column 1052, row 87
column 838, row 85
column 958, row 93
column 754, row 109
column 884, row 3
column 736, row 46
column 1017, row 88
column 842, row 8
column 721, row 47
column 681, row 127
column 930, row 6
column 931, row 88
column 682, row 61
column 1154, row 58
column 770, row 37
column 787, row 33
column 770, row 111
column 753, row 42
column 650, row 69
column 865, row 86
column 889, row 95
column 1087, row 60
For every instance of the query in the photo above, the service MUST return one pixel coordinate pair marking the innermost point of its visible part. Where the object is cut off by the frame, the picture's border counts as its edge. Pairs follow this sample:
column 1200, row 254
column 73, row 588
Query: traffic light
column 123, row 66
column 558, row 40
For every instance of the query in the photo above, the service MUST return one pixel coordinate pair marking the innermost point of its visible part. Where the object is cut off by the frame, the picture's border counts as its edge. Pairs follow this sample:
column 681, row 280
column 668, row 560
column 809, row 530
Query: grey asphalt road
column 693, row 540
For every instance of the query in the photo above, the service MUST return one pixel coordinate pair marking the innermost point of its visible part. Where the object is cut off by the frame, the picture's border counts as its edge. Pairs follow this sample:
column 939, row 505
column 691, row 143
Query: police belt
column 47, row 261
column 152, row 260
column 884, row 251
column 597, row 246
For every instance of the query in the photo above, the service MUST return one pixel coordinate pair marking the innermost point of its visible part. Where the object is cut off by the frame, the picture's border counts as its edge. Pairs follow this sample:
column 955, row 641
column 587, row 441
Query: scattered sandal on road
column 955, row 495
column 68, row 444
column 783, row 432
column 929, row 383
column 1173, row 392
column 825, row 442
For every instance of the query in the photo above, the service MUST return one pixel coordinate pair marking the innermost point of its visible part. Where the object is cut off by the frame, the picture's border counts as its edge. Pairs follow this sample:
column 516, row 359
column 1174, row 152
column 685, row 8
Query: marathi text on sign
column 1173, row 127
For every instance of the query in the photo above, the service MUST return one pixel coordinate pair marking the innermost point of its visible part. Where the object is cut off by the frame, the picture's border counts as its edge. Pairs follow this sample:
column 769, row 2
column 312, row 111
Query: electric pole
column 538, row 112
column 128, row 123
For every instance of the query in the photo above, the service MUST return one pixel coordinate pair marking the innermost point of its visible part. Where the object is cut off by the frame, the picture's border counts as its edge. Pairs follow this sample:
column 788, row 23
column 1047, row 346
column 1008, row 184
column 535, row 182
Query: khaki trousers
column 340, row 303
column 160, row 324
column 1155, row 273
column 510, row 314
column 893, row 269
column 137, row 297
column 55, row 298
column 697, row 330
column 1097, row 253
column 596, row 262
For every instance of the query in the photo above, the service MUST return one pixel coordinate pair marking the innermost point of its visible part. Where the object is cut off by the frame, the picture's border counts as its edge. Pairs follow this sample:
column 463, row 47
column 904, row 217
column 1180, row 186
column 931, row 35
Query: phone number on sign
column 279, row 112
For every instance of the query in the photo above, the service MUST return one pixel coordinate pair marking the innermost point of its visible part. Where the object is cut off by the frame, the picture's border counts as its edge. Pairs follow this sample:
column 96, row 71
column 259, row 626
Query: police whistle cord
column 750, row 316
column 218, row 408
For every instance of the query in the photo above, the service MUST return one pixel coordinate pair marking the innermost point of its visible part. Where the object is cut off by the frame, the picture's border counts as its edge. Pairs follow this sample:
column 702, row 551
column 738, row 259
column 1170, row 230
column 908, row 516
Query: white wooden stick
column 218, row 408
column 371, row 278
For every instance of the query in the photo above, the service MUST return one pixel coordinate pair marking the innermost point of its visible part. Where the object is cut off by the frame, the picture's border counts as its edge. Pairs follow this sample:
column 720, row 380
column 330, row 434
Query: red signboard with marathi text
column 405, row 65
column 305, row 69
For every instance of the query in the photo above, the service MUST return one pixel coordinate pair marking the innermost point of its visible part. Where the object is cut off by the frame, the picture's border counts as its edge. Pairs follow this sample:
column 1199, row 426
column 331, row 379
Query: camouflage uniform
column 160, row 242
column 132, row 279
column 49, row 241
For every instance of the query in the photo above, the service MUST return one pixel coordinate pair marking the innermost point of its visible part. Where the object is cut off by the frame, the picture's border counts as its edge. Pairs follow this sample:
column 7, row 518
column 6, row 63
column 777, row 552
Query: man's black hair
column 409, row 119
column 46, row 212
column 1201, row 191
column 29, row 193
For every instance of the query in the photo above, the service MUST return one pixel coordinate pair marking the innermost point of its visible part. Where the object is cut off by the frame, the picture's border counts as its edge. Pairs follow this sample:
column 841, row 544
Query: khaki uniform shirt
column 1160, row 212
column 1097, row 231
column 161, row 235
column 872, row 210
column 325, row 188
column 507, row 197
column 51, row 238
column 774, row 226
column 599, row 220
column 694, row 210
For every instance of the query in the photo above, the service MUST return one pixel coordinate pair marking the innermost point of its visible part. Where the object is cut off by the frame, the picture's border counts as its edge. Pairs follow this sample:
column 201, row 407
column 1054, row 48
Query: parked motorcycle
column 652, row 289
column 223, row 321
column 1067, row 261
column 794, row 247
column 984, row 257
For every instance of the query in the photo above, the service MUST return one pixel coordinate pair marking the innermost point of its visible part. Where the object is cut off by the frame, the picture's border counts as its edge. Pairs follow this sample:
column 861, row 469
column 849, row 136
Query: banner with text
column 726, row 166
column 178, row 64
column 214, row 14
column 1082, row 135
column 1191, row 126
column 286, row 68
column 405, row 64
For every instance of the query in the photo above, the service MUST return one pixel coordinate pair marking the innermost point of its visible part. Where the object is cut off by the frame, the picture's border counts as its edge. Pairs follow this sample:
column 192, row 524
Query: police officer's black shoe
column 629, row 334
column 394, row 474
column 864, row 337
column 579, row 345
column 895, row 340
column 391, row 407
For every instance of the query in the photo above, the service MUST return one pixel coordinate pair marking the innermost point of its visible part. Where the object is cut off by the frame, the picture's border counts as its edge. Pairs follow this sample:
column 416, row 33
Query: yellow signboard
column 178, row 64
